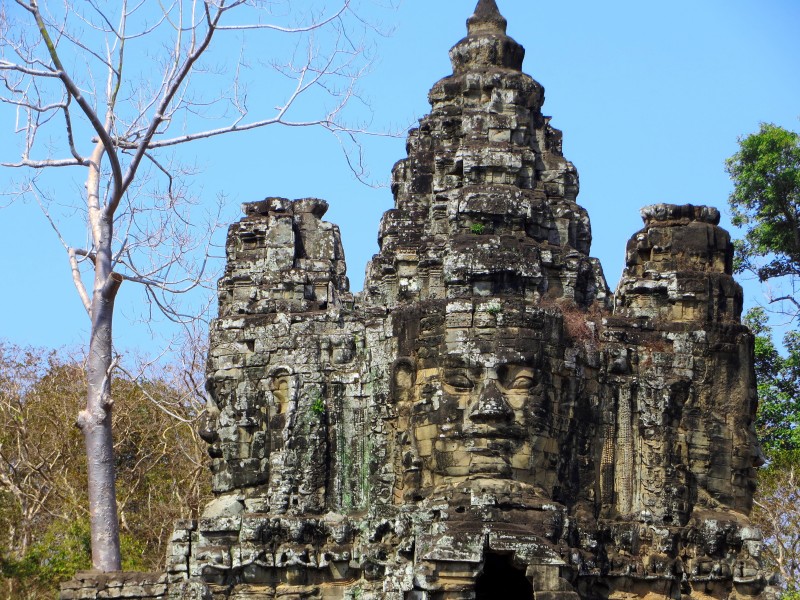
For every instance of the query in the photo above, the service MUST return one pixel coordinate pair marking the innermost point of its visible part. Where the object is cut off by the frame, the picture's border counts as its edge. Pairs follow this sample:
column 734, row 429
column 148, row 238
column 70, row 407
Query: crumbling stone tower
column 485, row 419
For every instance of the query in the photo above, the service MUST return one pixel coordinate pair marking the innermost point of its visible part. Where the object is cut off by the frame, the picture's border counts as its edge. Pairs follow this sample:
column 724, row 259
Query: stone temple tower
column 485, row 419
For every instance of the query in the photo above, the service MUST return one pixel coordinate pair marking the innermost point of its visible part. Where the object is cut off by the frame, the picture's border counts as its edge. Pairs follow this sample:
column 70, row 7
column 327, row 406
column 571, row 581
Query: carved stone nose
column 491, row 406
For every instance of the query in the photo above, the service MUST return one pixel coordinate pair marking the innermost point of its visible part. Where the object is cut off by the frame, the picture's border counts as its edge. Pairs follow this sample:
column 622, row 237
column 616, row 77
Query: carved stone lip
column 487, row 431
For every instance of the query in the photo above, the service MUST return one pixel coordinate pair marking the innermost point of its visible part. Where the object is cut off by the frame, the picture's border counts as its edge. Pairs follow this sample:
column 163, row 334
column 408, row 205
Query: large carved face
column 478, row 396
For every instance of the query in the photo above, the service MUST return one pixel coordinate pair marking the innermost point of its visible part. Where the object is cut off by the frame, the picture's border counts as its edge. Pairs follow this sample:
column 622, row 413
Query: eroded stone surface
column 485, row 419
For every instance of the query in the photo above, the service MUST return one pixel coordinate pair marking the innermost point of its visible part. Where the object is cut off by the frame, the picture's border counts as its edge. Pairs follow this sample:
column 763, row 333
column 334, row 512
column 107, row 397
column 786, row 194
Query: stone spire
column 486, row 46
column 487, row 18
column 485, row 191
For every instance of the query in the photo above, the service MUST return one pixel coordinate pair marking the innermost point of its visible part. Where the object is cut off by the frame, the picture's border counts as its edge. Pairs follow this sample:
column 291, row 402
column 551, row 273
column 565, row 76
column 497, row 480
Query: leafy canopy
column 778, row 377
column 766, row 201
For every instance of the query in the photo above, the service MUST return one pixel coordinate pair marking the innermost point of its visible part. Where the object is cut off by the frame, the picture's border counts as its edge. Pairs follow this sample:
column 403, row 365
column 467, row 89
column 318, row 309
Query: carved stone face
column 481, row 400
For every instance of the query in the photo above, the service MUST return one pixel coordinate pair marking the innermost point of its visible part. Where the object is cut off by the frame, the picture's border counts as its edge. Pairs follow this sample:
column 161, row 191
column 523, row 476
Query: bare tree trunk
column 95, row 421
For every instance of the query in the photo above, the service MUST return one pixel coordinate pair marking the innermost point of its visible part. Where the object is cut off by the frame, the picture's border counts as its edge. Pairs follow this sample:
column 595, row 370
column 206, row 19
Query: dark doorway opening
column 500, row 579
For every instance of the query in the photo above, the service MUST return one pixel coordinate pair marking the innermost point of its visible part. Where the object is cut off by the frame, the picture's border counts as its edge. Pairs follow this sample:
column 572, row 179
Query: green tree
column 766, row 203
column 778, row 377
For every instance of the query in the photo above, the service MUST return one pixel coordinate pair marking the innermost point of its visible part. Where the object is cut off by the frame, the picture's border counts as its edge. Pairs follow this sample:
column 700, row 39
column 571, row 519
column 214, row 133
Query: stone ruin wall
column 486, row 415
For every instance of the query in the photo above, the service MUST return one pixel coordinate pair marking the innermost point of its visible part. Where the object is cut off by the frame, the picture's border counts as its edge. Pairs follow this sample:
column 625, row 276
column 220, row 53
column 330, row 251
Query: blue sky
column 651, row 97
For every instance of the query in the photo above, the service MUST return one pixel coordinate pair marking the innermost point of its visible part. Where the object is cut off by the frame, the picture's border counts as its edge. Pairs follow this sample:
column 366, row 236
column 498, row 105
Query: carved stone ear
column 404, row 375
column 280, row 385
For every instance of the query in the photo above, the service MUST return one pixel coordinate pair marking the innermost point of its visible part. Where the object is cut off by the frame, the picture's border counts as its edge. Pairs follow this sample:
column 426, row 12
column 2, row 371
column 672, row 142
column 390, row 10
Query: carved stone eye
column 516, row 377
column 521, row 382
column 458, row 380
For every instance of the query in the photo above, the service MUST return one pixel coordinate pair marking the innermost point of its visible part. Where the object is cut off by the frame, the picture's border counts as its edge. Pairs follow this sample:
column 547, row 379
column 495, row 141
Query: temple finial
column 486, row 46
column 487, row 18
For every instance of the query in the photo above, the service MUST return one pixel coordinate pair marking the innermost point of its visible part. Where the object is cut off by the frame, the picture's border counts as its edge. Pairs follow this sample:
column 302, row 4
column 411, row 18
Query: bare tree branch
column 9, row 66
column 73, row 89
column 45, row 164
column 312, row 27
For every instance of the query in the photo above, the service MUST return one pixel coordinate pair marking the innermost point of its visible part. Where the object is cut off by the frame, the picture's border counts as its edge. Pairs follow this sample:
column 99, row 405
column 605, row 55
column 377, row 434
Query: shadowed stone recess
column 485, row 419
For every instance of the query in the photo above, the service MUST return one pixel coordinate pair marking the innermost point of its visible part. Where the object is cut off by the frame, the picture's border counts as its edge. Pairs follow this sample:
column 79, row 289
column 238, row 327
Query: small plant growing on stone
column 494, row 308
column 318, row 405
column 477, row 228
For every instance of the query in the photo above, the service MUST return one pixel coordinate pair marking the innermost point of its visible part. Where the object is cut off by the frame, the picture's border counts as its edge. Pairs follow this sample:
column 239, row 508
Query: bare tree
column 777, row 513
column 110, row 86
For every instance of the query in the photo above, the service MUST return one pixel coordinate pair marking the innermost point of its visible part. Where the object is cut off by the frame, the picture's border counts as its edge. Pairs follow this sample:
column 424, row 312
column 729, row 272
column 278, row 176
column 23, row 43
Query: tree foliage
column 778, row 377
column 44, row 517
column 777, row 499
column 766, row 203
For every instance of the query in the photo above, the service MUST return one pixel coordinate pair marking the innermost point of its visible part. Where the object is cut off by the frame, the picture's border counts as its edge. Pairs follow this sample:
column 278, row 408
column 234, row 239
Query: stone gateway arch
column 486, row 419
